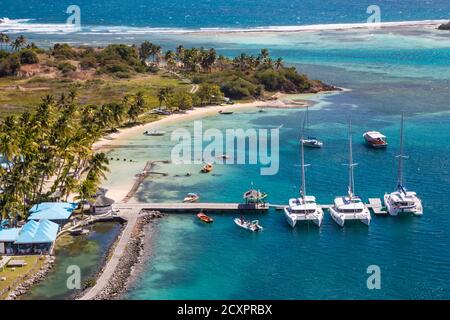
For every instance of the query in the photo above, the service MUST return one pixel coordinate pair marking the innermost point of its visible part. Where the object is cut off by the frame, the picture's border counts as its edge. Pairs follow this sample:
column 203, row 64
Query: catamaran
column 350, row 207
column 304, row 208
column 311, row 142
column 402, row 200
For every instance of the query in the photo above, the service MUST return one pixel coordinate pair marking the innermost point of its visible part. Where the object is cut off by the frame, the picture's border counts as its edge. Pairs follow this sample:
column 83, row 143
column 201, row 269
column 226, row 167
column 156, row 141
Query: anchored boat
column 207, row 168
column 310, row 142
column 225, row 112
column 350, row 207
column 249, row 225
column 191, row 197
column 154, row 133
column 402, row 200
column 375, row 139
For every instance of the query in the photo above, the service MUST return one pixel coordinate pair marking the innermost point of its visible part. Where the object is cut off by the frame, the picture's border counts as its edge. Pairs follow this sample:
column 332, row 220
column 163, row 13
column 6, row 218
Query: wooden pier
column 195, row 207
column 216, row 207
column 377, row 207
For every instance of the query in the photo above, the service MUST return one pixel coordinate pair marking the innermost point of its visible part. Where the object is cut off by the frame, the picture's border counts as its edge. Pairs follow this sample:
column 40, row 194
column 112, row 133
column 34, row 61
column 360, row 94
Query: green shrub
column 88, row 62
column 10, row 66
column 66, row 67
column 28, row 56
column 63, row 51
column 239, row 89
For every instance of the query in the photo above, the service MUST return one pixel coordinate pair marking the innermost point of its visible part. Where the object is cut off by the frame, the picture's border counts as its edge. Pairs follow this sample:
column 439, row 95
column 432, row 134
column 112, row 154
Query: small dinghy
column 249, row 225
column 225, row 112
column 154, row 133
column 207, row 168
column 203, row 217
column 191, row 197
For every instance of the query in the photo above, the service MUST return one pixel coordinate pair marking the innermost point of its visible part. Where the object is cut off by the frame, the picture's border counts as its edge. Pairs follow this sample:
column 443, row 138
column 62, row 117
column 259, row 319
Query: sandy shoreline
column 109, row 142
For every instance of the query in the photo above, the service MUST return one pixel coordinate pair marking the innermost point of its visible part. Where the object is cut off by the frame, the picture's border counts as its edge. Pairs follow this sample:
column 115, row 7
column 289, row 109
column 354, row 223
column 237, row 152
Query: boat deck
column 374, row 203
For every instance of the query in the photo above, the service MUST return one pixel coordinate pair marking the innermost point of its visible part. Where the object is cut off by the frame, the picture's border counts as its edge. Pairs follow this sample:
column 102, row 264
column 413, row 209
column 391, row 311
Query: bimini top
column 375, row 135
column 53, row 205
column 9, row 235
column 38, row 232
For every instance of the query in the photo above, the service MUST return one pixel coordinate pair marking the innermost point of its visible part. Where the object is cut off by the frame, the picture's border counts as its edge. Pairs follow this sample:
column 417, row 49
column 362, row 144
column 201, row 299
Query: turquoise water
column 88, row 252
column 388, row 71
column 220, row 261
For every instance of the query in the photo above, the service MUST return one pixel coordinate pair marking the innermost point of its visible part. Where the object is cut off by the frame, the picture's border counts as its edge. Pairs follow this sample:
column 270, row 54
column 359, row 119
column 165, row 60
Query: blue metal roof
column 9, row 235
column 53, row 205
column 38, row 232
column 51, row 214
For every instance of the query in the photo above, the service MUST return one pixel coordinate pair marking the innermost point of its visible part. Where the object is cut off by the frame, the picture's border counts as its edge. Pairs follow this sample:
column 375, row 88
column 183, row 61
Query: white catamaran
column 350, row 207
column 401, row 200
column 304, row 208
column 311, row 142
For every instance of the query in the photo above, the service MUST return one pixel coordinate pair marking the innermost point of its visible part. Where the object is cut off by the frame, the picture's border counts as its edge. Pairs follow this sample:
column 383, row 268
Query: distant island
column 444, row 26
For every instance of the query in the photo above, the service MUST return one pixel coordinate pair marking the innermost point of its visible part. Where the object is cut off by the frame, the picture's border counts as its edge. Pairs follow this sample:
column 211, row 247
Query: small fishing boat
column 223, row 156
column 154, row 133
column 225, row 112
column 249, row 225
column 312, row 142
column 375, row 139
column 203, row 217
column 191, row 197
column 207, row 168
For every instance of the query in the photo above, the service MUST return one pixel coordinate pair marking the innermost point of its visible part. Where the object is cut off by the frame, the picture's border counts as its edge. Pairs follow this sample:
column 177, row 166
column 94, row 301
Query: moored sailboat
column 304, row 208
column 350, row 207
column 401, row 200
column 310, row 142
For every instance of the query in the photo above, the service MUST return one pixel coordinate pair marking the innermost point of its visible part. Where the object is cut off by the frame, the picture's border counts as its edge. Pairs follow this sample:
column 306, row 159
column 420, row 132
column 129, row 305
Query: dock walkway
column 195, row 207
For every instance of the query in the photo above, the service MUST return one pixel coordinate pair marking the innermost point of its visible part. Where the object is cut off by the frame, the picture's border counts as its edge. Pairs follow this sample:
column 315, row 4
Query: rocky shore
column 37, row 277
column 132, row 257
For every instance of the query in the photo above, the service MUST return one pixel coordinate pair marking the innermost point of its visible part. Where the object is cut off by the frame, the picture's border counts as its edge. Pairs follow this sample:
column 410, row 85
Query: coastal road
column 111, row 265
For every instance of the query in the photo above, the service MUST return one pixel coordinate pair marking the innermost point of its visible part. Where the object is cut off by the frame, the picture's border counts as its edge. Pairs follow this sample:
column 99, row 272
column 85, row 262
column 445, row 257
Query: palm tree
column 4, row 39
column 170, row 59
column 18, row 43
column 279, row 63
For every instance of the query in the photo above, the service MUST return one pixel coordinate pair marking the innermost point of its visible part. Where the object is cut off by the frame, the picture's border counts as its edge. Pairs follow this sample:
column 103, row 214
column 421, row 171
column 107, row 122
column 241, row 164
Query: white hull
column 293, row 218
column 340, row 218
column 416, row 210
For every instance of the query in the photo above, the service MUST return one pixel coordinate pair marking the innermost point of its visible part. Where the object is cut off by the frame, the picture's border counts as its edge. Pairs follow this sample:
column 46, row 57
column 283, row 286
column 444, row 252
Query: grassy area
column 19, row 272
column 19, row 95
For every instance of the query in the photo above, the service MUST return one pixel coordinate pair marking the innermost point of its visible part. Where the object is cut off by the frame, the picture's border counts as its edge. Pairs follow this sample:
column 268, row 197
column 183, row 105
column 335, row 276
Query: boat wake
column 30, row 26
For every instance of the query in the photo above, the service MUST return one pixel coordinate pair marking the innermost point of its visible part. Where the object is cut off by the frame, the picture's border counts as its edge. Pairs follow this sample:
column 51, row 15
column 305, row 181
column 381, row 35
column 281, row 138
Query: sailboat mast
column 400, row 156
column 351, row 182
column 307, row 117
column 303, row 191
